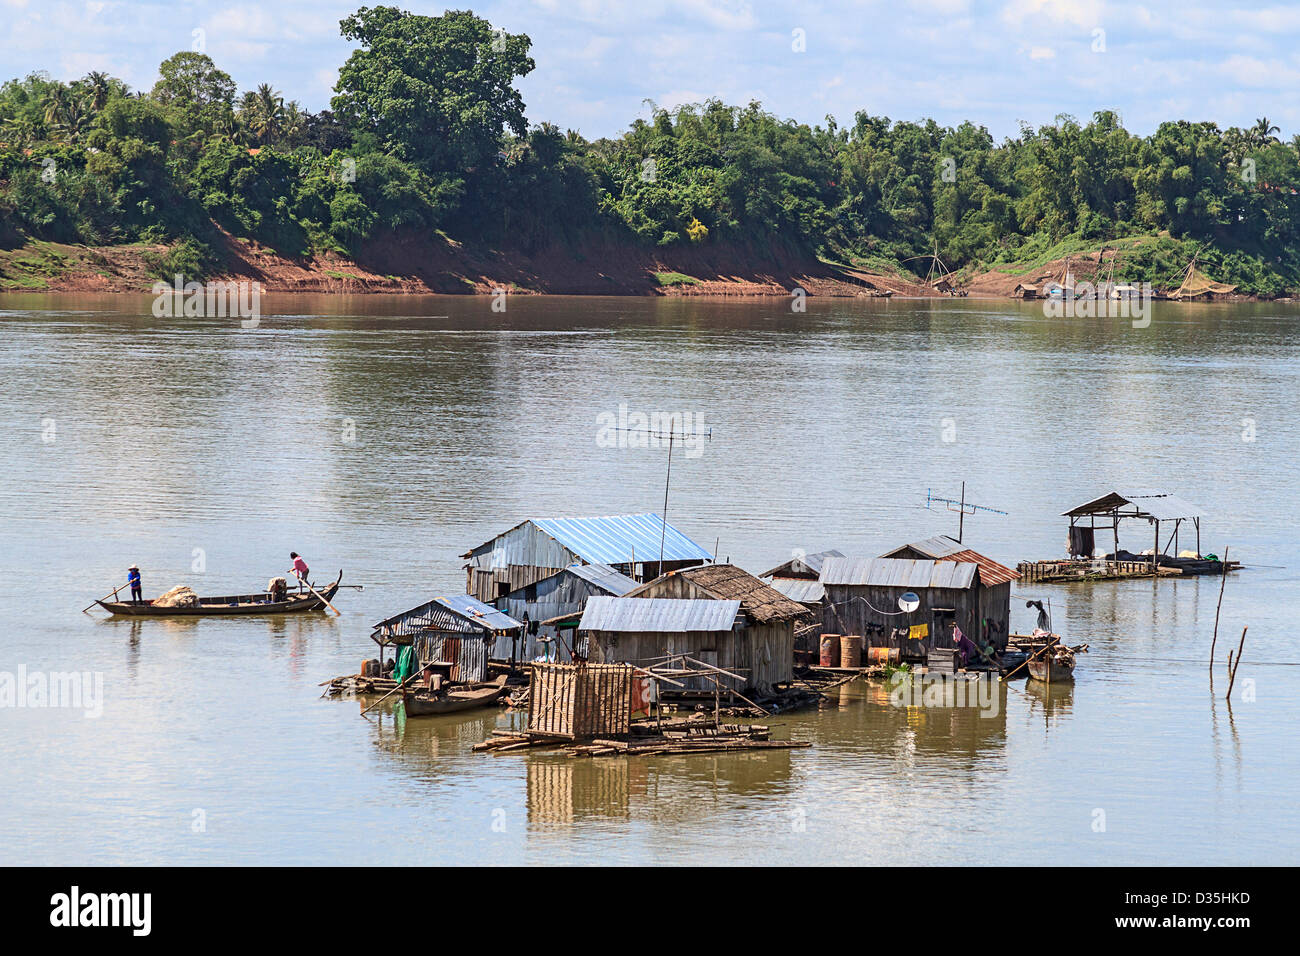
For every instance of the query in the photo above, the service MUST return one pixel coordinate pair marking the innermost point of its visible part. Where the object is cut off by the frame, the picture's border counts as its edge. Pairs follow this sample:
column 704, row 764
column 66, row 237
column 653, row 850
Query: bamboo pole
column 1215, row 640
column 1232, row 674
column 104, row 598
column 318, row 594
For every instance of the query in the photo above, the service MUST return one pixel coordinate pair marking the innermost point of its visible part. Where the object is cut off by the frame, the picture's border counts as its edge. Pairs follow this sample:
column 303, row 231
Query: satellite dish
column 909, row 602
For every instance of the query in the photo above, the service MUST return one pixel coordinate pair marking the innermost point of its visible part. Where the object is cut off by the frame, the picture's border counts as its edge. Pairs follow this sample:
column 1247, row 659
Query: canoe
column 421, row 703
column 1055, row 670
column 259, row 603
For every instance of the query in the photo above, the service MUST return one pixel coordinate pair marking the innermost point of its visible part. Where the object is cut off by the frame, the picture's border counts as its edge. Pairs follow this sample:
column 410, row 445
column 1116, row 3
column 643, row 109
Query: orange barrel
column 882, row 655
column 851, row 650
column 830, row 650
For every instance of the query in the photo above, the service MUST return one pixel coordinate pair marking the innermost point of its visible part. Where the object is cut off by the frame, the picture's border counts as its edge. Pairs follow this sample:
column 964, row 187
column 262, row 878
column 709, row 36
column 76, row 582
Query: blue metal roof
column 658, row 615
column 463, row 606
column 604, row 577
column 616, row 539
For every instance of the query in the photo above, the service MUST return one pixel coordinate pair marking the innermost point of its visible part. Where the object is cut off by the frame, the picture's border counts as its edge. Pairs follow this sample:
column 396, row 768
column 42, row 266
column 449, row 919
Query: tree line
column 427, row 134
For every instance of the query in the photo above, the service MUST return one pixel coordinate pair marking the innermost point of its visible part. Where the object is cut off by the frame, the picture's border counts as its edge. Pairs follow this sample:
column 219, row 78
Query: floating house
column 1099, row 520
column 560, row 595
column 458, row 631
column 716, row 632
column 540, row 547
column 798, row 579
column 994, row 581
column 863, row 597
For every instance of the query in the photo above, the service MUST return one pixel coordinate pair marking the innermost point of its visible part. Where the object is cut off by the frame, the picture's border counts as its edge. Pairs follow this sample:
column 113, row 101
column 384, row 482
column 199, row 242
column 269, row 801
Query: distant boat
column 259, row 603
column 422, row 703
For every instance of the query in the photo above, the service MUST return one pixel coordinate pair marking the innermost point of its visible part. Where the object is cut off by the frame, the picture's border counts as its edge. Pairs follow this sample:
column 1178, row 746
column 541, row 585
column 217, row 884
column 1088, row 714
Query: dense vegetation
column 428, row 133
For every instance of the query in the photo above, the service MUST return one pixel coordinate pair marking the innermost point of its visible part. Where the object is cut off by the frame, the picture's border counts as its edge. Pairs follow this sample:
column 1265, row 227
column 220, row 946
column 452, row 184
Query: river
column 387, row 435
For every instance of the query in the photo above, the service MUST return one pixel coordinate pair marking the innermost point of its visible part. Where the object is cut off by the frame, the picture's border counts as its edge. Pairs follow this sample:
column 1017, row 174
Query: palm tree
column 1261, row 134
column 57, row 101
column 268, row 113
column 98, row 88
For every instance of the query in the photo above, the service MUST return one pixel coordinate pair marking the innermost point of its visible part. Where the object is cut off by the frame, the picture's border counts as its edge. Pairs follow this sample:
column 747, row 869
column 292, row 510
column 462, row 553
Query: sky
column 996, row 63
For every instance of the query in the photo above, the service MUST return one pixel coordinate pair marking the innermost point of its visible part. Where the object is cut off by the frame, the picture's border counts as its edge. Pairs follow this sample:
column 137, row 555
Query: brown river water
column 388, row 435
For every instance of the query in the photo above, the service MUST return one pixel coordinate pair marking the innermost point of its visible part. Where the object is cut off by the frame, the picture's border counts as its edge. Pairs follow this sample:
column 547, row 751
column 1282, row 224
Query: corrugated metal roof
column 461, row 606
column 1159, row 504
column 659, row 615
column 991, row 573
column 604, row 577
column 940, row 546
column 803, row 590
column 808, row 563
column 899, row 573
column 612, row 539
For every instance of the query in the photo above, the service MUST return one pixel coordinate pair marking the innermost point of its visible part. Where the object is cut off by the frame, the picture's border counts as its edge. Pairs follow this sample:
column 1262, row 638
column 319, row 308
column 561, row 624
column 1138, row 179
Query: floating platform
column 1064, row 571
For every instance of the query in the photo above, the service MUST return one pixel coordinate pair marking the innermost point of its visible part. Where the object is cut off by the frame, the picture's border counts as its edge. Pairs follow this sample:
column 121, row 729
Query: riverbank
column 424, row 265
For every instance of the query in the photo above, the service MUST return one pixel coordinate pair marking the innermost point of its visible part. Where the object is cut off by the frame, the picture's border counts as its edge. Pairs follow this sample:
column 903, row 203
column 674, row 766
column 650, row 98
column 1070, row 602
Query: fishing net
column 180, row 596
column 1197, row 283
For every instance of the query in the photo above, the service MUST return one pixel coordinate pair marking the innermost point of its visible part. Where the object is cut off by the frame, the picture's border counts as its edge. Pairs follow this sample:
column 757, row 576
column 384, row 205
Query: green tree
column 438, row 90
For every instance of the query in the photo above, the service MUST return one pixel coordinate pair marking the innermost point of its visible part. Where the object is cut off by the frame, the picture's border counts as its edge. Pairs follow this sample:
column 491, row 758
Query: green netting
column 405, row 664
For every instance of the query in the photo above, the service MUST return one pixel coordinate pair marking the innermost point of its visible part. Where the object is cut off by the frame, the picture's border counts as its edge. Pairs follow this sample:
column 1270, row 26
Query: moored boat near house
column 456, row 631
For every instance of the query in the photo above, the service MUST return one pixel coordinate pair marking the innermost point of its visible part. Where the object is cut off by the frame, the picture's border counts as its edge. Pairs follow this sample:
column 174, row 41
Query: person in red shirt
column 299, row 569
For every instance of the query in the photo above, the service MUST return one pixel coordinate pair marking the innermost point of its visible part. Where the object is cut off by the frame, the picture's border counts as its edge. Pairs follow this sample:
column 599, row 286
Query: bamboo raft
column 690, row 735
column 1091, row 569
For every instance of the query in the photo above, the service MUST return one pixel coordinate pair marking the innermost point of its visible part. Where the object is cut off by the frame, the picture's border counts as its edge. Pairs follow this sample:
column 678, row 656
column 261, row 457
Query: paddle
column 104, row 598
column 317, row 593
column 410, row 678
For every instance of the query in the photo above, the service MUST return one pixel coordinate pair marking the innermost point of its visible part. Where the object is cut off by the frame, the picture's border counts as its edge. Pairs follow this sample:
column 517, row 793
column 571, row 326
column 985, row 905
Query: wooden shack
column 862, row 597
column 645, row 631
column 540, row 547
column 994, row 582
column 457, row 630
column 765, row 639
column 798, row 580
column 561, row 594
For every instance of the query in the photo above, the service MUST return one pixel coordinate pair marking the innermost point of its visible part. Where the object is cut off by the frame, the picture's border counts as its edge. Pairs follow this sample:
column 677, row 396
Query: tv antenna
column 963, row 507
column 672, row 434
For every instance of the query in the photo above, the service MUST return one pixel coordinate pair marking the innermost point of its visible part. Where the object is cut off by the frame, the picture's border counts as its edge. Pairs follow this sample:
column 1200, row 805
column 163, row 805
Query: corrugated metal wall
column 846, row 614
column 761, row 655
column 469, row 653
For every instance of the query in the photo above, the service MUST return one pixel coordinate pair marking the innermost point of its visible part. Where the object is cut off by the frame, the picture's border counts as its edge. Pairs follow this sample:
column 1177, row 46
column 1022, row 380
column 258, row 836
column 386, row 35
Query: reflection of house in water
column 564, row 790
column 943, row 726
column 540, row 547
column 563, row 593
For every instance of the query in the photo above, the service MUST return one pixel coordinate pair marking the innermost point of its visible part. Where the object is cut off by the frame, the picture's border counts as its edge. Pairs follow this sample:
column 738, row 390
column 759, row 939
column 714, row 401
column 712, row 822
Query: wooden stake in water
column 1215, row 640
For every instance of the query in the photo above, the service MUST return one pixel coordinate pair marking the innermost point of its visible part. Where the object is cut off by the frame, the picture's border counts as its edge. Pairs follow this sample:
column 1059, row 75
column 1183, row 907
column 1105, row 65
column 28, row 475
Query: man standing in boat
column 299, row 569
column 133, row 579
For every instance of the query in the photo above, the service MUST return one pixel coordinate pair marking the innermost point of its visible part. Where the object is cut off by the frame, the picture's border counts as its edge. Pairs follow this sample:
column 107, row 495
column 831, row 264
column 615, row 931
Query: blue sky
column 995, row 62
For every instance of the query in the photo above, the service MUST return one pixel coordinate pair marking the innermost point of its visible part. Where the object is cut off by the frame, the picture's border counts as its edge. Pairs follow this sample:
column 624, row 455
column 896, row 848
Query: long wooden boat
column 1053, row 670
column 259, row 603
column 421, row 703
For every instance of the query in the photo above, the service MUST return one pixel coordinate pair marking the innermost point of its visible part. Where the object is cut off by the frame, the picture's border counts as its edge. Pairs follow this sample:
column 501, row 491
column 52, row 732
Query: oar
column 1025, row 661
column 104, row 598
column 318, row 594
column 416, row 673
